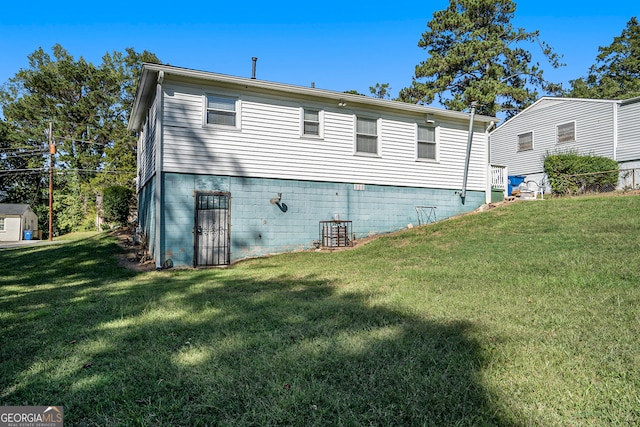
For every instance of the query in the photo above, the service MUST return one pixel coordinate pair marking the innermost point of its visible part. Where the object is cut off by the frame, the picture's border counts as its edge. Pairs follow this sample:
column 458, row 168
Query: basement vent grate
column 335, row 234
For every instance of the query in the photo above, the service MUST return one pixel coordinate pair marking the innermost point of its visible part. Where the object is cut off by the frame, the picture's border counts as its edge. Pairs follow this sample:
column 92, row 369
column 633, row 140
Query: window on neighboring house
column 566, row 132
column 221, row 110
column 366, row 136
column 311, row 122
column 427, row 142
column 525, row 141
column 2, row 224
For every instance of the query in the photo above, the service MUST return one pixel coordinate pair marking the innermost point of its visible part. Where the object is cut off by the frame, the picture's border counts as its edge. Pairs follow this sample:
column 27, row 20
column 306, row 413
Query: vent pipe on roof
column 253, row 67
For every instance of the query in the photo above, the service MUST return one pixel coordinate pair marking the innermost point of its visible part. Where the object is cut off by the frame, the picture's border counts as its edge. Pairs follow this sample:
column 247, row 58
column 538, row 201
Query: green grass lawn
column 528, row 314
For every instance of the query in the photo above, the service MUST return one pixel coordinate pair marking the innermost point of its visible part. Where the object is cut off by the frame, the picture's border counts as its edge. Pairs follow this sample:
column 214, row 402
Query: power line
column 82, row 141
column 18, row 155
column 18, row 171
column 22, row 150
column 59, row 171
column 63, row 171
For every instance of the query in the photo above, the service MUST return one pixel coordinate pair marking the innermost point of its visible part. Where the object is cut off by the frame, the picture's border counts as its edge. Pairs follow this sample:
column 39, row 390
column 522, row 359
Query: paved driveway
column 21, row 243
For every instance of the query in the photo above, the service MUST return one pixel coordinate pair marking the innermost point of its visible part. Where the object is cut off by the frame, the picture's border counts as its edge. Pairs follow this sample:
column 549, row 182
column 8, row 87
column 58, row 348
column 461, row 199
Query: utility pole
column 52, row 151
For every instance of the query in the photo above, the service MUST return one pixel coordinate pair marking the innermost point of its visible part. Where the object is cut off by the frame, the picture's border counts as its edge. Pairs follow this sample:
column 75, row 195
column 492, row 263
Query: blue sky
column 338, row 45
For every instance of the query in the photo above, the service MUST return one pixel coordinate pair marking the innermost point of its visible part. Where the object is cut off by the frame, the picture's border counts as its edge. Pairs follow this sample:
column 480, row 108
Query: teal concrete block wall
column 259, row 227
column 147, row 212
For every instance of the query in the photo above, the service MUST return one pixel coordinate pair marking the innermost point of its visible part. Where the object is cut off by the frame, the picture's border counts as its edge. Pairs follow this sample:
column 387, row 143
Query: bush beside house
column 571, row 173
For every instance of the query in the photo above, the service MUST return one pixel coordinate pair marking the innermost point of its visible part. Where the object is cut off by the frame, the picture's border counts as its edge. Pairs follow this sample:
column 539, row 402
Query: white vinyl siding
column 221, row 110
column 525, row 141
column 427, row 144
column 628, row 132
column 566, row 132
column 147, row 145
column 366, row 136
column 269, row 145
column 594, row 126
column 184, row 109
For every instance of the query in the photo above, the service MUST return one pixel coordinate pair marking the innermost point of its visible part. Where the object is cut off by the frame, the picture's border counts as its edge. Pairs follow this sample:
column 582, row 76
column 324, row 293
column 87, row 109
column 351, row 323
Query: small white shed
column 15, row 219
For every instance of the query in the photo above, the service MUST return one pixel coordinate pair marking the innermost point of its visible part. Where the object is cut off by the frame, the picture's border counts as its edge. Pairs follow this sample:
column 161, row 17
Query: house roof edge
column 150, row 73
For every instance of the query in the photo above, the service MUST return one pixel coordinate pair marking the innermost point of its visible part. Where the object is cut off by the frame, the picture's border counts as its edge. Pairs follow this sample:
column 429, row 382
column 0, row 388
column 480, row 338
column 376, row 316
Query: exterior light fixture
column 277, row 201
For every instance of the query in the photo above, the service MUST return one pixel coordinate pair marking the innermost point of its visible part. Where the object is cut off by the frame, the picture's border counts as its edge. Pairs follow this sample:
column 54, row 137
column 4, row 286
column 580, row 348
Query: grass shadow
column 221, row 347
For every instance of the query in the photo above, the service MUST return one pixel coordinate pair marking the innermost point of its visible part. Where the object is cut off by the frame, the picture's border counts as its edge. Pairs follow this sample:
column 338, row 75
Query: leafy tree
column 120, row 155
column 21, row 166
column 616, row 73
column 88, row 107
column 116, row 204
column 475, row 54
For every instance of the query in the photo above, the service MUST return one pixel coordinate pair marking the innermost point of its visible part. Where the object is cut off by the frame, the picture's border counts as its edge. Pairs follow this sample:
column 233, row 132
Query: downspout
column 463, row 194
column 158, row 190
column 615, row 130
column 488, row 178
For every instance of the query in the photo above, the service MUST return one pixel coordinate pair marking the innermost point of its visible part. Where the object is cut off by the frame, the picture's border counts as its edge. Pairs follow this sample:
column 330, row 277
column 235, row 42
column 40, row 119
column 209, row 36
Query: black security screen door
column 212, row 240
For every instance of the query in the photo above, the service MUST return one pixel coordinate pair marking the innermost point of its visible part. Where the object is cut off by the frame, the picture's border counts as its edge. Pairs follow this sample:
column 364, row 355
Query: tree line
column 474, row 54
column 69, row 117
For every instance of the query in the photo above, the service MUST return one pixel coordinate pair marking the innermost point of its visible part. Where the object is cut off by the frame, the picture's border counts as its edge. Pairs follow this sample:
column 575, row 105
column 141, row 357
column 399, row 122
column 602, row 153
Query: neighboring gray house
column 231, row 167
column 14, row 220
column 609, row 128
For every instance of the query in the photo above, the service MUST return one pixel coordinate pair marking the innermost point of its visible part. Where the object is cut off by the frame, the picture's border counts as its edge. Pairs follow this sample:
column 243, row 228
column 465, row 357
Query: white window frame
column 223, row 95
column 378, row 122
column 575, row 132
column 518, row 145
column 320, row 122
column 2, row 224
column 435, row 142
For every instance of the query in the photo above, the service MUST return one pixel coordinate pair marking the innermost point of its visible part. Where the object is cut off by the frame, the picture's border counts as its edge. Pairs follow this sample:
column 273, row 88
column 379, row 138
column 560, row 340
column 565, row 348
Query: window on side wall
column 2, row 224
column 312, row 122
column 525, row 141
column 221, row 110
column 366, row 136
column 427, row 145
column 566, row 132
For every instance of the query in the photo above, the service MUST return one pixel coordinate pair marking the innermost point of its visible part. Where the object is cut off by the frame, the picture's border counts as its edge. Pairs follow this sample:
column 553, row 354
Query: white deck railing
column 496, row 180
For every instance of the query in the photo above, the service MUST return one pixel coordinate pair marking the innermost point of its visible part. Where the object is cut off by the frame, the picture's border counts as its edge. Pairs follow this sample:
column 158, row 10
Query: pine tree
column 616, row 73
column 475, row 54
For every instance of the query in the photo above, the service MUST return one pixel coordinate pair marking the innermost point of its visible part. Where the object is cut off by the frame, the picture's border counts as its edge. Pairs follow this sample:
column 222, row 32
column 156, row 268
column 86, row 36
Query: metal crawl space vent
column 335, row 234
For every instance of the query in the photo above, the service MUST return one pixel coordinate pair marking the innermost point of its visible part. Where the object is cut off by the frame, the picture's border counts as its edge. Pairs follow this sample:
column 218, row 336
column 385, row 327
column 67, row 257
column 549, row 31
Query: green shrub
column 116, row 204
column 571, row 173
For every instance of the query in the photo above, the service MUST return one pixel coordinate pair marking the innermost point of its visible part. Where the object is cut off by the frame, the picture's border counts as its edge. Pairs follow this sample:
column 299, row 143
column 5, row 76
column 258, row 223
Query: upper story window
column 221, row 110
column 525, row 141
column 366, row 136
column 427, row 145
column 566, row 132
column 312, row 122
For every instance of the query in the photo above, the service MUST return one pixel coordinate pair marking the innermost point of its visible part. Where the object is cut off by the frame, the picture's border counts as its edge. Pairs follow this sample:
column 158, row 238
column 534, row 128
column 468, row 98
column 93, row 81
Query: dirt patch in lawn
column 133, row 255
